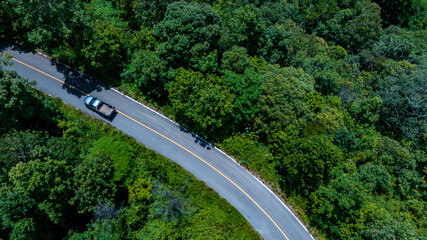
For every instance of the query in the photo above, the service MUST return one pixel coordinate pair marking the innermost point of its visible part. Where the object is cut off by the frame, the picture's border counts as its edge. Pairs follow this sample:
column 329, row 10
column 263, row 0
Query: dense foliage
column 78, row 178
column 326, row 99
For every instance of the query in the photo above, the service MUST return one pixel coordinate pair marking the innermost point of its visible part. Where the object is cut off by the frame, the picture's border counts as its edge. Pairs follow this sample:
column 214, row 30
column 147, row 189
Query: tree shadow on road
column 82, row 82
column 197, row 139
column 4, row 44
column 75, row 80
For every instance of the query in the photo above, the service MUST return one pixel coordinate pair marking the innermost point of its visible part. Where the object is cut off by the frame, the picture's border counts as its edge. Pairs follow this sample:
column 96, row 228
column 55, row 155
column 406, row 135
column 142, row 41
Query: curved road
column 264, row 211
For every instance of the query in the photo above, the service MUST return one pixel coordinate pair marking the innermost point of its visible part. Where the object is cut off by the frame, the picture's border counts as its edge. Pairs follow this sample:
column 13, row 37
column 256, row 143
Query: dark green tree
column 104, row 46
column 24, row 146
column 281, row 41
column 404, row 110
column 43, row 23
column 236, row 60
column 304, row 164
column 18, row 147
column 336, row 207
column 92, row 182
column 17, row 100
column 401, row 164
column 396, row 43
column 376, row 178
column 17, row 211
column 330, row 74
column 345, row 139
column 288, row 44
column 149, row 72
column 246, row 90
column 406, row 13
column 243, row 27
column 150, row 12
column 24, row 108
column 36, row 200
column 188, row 31
column 312, row 12
column 277, row 12
column 353, row 28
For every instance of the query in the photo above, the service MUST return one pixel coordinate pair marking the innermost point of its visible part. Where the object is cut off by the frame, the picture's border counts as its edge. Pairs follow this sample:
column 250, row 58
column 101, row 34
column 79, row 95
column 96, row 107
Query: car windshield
column 89, row 100
column 96, row 103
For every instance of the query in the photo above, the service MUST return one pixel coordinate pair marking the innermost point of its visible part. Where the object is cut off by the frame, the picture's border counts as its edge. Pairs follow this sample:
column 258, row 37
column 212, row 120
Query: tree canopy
column 325, row 100
column 79, row 178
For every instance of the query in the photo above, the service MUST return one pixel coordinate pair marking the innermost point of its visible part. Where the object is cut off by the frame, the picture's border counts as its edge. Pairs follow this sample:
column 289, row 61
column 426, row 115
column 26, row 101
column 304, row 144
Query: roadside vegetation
column 325, row 100
column 65, row 175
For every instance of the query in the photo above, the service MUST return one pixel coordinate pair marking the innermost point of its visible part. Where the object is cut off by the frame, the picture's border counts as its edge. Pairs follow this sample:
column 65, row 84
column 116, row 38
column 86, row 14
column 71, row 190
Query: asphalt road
column 264, row 211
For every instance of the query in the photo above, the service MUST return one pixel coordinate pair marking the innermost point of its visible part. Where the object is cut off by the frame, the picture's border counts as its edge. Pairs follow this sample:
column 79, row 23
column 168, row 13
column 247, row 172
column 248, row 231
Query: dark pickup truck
column 99, row 106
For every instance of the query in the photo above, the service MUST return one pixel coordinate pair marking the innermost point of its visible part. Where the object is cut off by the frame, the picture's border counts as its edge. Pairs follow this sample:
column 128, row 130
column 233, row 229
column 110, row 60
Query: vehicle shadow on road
column 113, row 115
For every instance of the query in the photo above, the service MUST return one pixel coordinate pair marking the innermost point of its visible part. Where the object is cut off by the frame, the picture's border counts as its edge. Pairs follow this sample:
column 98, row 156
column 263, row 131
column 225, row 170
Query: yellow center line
column 59, row 80
column 201, row 159
column 172, row 141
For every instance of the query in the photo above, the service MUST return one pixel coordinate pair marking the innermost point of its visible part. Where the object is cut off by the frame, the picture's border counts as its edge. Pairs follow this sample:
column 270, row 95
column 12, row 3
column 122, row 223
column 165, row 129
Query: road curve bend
column 264, row 211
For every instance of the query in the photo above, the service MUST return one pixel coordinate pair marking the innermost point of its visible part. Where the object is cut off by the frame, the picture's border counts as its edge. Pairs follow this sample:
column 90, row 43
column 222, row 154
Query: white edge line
column 90, row 78
column 163, row 116
column 154, row 111
column 115, row 90
column 267, row 189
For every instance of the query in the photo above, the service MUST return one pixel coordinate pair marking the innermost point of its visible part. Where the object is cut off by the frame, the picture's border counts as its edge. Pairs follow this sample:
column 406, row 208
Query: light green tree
column 281, row 102
column 202, row 103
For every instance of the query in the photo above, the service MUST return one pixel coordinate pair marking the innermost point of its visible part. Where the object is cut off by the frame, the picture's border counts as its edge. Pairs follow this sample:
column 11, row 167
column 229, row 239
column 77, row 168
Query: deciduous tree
column 36, row 199
column 203, row 103
column 281, row 101
column 336, row 207
column 353, row 28
column 17, row 100
column 243, row 27
column 188, row 30
column 92, row 182
column 404, row 110
column 43, row 23
column 304, row 163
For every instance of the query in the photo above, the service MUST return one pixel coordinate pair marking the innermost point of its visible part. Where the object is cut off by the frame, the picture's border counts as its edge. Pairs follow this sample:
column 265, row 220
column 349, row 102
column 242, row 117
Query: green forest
column 325, row 100
column 65, row 175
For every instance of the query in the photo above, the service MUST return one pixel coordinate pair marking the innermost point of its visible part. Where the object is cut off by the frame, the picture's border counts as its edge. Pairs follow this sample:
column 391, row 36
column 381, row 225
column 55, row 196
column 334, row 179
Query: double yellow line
column 172, row 141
